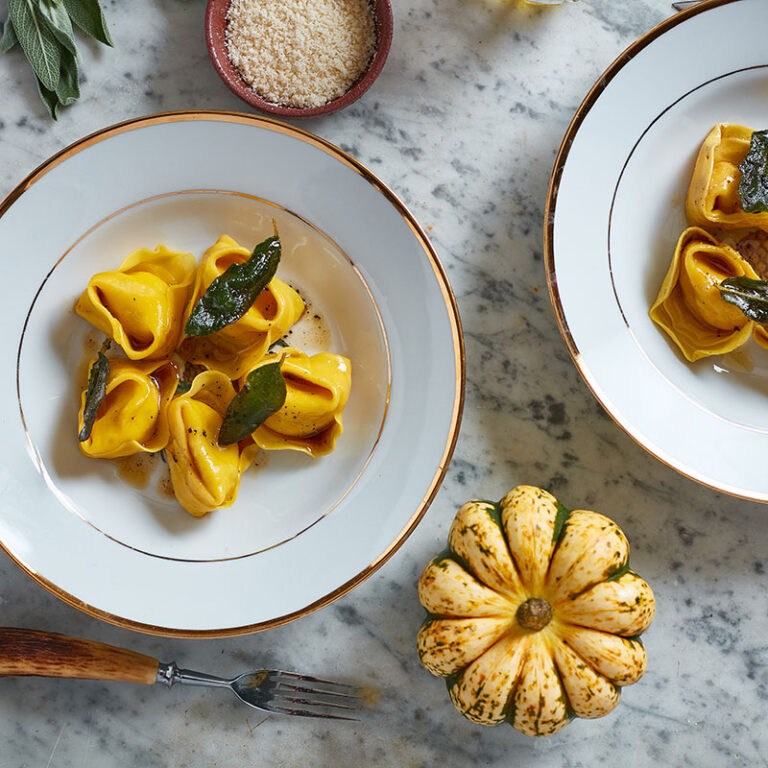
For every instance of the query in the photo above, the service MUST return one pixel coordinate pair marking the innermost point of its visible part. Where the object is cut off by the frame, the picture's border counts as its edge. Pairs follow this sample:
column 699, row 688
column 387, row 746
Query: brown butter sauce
column 137, row 470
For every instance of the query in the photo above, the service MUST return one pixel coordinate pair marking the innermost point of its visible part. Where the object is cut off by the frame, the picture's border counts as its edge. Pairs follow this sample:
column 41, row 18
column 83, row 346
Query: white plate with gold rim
column 615, row 212
column 303, row 531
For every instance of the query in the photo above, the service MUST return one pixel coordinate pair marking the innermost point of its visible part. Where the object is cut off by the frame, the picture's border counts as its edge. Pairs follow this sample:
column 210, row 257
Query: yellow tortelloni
column 236, row 348
column 689, row 306
column 760, row 335
column 133, row 417
column 317, row 389
column 205, row 475
column 141, row 303
column 713, row 195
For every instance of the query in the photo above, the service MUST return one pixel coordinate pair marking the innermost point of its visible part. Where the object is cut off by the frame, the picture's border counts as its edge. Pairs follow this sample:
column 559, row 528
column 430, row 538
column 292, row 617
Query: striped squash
column 534, row 613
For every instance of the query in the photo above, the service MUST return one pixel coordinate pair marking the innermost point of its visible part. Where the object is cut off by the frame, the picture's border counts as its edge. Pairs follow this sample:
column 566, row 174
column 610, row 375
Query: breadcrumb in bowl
column 282, row 79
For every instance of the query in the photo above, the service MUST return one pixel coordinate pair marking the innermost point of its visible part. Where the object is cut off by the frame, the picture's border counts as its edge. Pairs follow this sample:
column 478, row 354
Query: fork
column 49, row 654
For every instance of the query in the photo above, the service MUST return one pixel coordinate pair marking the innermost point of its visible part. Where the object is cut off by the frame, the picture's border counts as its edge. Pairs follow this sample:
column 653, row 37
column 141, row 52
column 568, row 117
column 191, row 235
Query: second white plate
column 615, row 212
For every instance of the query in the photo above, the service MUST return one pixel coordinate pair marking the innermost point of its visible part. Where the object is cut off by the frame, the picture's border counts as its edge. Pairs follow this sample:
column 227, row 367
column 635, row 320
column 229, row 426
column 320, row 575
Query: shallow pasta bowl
column 303, row 531
column 615, row 213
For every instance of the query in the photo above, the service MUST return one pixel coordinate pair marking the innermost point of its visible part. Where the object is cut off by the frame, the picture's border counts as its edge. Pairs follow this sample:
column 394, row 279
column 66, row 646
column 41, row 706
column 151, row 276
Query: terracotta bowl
column 215, row 35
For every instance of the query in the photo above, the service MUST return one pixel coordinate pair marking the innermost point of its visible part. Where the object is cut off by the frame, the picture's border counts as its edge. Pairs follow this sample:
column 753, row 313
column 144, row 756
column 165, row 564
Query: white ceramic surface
column 616, row 214
column 302, row 530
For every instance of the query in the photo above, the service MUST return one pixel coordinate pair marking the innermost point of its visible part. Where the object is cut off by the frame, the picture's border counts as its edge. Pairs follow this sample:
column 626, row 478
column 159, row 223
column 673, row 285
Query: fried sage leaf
column 750, row 296
column 234, row 291
column 95, row 394
column 278, row 343
column 262, row 395
column 753, row 187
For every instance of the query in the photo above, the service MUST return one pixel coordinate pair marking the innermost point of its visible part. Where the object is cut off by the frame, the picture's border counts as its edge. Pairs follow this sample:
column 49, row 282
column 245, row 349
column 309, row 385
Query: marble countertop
column 463, row 124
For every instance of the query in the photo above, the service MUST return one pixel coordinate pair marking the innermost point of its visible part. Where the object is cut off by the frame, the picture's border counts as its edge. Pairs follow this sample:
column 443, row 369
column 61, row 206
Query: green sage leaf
column 68, row 89
column 753, row 187
column 95, row 394
column 750, row 296
column 40, row 46
column 49, row 98
column 182, row 387
column 234, row 291
column 56, row 18
column 9, row 39
column 262, row 395
column 87, row 14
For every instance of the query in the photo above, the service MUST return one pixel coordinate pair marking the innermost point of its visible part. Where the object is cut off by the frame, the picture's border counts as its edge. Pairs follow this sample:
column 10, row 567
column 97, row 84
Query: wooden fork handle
column 48, row 654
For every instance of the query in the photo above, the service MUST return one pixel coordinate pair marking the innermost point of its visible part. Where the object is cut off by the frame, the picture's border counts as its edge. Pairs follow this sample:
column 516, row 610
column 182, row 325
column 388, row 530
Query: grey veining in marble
column 463, row 124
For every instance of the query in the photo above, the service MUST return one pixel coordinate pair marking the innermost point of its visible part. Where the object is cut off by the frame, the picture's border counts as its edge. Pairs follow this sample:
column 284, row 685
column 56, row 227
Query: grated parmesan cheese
column 300, row 53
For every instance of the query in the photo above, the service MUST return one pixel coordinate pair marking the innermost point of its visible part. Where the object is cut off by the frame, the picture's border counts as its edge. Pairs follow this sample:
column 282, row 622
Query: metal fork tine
column 284, row 687
column 310, row 678
column 315, row 702
column 282, row 676
column 307, row 713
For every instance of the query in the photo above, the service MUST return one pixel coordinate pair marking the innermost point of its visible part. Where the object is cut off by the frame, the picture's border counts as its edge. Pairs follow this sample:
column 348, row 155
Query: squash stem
column 534, row 614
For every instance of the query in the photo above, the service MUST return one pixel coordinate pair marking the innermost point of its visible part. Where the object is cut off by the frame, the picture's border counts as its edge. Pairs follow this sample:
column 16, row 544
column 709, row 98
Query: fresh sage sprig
column 750, row 296
column 43, row 29
column 234, row 291
column 263, row 394
column 95, row 394
column 753, row 187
